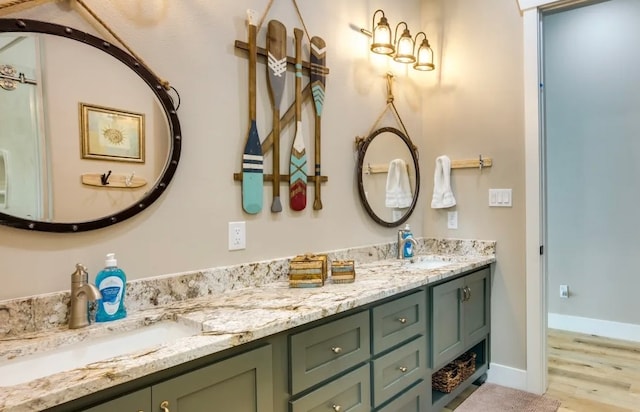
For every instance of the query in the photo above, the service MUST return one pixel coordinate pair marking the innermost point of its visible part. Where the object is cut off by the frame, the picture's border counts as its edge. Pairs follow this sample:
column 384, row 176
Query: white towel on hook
column 442, row 193
column 398, row 191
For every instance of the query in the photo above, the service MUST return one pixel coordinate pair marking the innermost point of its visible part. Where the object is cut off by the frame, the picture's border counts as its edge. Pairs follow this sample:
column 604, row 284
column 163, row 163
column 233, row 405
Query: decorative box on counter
column 307, row 271
column 343, row 271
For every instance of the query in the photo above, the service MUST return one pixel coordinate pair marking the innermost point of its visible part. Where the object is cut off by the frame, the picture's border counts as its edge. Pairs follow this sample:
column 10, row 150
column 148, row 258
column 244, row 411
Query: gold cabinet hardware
column 336, row 349
column 402, row 320
column 165, row 406
column 403, row 369
column 336, row 408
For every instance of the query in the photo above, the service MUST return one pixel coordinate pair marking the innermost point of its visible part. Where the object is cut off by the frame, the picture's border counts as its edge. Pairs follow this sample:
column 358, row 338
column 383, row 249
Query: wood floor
column 593, row 374
column 589, row 374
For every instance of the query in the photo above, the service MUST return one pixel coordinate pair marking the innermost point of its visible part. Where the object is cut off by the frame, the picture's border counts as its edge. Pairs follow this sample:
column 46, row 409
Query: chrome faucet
column 402, row 241
column 82, row 292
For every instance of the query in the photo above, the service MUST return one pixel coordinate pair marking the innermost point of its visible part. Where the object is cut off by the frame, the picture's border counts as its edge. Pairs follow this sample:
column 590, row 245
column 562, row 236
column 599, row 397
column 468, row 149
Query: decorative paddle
column 318, row 79
column 276, row 68
column 252, row 159
column 298, row 163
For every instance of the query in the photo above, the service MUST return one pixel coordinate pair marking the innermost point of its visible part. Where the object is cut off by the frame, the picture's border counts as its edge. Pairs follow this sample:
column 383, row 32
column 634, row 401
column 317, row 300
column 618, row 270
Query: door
column 241, row 383
column 447, row 321
column 476, row 306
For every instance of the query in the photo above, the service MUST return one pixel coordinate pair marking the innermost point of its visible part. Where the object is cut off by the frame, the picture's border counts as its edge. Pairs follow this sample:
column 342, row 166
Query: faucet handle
column 80, row 275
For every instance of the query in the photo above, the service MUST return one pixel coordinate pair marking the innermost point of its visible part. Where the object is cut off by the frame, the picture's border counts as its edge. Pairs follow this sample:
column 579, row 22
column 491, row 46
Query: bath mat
column 495, row 398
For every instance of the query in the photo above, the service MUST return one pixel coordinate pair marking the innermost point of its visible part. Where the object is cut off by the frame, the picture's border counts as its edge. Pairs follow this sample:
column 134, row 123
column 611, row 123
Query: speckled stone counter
column 226, row 307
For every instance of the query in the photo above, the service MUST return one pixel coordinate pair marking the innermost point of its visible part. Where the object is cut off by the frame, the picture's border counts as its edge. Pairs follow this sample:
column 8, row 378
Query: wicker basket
column 466, row 365
column 446, row 379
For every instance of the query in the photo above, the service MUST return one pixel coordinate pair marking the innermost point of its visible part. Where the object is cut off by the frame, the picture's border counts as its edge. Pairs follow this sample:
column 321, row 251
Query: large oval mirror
column 88, row 135
column 388, row 176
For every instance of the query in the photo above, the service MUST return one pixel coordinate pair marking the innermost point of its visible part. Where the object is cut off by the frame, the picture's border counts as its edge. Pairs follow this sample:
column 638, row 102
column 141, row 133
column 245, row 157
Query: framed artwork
column 110, row 134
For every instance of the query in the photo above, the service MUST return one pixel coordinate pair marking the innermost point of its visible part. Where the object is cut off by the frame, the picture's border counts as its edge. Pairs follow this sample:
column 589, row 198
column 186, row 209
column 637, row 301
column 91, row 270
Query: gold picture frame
column 111, row 134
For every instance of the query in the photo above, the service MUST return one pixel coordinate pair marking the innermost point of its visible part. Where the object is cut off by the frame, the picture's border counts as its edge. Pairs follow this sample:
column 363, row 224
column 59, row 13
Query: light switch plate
column 500, row 197
column 452, row 220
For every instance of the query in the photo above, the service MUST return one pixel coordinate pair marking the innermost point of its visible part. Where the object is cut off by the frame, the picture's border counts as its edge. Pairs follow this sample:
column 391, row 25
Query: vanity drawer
column 416, row 399
column 397, row 370
column 348, row 393
column 318, row 354
column 396, row 321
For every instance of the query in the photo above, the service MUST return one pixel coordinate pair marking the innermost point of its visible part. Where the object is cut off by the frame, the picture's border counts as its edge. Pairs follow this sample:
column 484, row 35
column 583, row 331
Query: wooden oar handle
column 252, row 72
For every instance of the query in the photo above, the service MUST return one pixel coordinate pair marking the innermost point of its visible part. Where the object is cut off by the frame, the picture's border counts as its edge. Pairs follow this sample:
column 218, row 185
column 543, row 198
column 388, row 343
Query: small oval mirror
column 88, row 136
column 388, row 176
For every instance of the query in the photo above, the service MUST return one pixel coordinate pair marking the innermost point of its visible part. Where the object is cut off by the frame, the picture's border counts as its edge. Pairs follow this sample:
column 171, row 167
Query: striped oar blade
column 298, row 162
column 252, row 159
column 276, row 70
column 318, row 80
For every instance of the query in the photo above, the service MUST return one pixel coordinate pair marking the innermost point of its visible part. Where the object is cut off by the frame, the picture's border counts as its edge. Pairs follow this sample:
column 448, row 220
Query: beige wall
column 471, row 105
column 475, row 106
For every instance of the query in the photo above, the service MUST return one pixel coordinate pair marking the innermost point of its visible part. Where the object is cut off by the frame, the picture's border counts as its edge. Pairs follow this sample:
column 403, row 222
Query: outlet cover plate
column 237, row 236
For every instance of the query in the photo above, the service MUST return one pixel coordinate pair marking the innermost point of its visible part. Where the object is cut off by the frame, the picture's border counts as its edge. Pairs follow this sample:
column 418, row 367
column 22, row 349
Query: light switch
column 500, row 197
column 452, row 220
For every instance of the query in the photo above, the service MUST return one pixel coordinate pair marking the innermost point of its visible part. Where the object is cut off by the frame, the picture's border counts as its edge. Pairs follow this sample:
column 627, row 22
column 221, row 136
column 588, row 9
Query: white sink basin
column 426, row 263
column 27, row 368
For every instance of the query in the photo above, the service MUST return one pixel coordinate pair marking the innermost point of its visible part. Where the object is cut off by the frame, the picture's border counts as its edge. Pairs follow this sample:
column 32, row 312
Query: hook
column 129, row 179
column 480, row 163
column 104, row 178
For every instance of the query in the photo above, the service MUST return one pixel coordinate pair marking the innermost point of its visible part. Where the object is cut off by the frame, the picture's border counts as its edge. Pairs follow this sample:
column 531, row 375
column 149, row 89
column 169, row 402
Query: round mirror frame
column 25, row 25
column 362, row 150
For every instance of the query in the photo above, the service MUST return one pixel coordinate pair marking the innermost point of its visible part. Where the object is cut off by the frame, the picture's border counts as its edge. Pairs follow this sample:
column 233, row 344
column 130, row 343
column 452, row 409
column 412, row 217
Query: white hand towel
column 442, row 193
column 398, row 191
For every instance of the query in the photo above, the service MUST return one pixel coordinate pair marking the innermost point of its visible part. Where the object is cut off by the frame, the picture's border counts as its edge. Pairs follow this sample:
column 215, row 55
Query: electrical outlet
column 564, row 291
column 237, row 236
column 452, row 220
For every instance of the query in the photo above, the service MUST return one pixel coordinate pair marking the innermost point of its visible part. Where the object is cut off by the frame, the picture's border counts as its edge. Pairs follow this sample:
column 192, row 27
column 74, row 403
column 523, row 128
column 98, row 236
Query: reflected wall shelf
column 115, row 180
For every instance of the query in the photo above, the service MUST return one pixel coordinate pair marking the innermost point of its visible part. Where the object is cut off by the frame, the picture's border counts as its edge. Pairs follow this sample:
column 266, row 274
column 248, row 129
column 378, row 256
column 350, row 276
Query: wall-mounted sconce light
column 402, row 49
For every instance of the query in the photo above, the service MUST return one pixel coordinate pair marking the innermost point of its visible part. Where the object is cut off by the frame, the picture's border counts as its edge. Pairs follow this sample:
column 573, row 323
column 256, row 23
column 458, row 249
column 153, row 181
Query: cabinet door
column 139, row 401
column 241, row 383
column 447, row 321
column 350, row 393
column 476, row 307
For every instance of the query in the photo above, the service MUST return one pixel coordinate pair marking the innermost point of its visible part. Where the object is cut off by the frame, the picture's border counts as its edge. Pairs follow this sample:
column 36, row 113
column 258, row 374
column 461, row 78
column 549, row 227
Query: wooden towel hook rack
column 480, row 163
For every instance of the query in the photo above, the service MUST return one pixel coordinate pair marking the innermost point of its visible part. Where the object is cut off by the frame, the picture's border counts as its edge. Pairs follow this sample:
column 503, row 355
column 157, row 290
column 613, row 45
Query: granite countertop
column 220, row 320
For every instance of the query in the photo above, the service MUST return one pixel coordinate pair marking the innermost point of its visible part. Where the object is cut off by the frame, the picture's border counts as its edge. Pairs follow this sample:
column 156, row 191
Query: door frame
column 536, row 310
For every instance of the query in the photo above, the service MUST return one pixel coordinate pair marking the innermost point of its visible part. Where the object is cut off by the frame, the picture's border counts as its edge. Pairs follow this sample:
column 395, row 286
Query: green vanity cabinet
column 241, row 383
column 139, row 401
column 416, row 399
column 460, row 319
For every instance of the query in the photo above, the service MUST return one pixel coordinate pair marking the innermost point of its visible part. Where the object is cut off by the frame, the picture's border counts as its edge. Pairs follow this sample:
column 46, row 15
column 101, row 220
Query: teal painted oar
column 318, row 79
column 252, row 159
column 276, row 68
column 298, row 162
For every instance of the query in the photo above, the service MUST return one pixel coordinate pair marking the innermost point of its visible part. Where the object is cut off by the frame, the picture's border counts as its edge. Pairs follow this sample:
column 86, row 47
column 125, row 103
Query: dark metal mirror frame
column 362, row 150
column 24, row 25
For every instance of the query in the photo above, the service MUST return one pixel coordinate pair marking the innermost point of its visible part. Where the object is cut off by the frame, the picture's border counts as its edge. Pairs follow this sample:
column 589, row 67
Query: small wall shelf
column 479, row 163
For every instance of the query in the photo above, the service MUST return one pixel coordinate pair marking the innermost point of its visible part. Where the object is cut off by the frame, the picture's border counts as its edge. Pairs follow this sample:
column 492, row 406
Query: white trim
column 605, row 328
column 536, row 339
column 507, row 376
column 535, row 279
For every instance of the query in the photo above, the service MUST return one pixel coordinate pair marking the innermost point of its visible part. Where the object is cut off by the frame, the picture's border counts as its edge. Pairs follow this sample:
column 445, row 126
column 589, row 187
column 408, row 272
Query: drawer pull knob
column 336, row 408
column 402, row 320
column 336, row 350
column 403, row 369
column 164, row 406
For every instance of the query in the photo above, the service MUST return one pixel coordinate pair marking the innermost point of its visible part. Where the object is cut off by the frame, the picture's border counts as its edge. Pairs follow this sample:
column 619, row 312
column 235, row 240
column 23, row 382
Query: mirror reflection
column 71, row 114
column 388, row 176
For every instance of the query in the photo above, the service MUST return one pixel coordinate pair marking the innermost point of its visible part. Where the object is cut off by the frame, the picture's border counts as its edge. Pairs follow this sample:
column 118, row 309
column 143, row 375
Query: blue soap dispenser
column 407, row 251
column 112, row 283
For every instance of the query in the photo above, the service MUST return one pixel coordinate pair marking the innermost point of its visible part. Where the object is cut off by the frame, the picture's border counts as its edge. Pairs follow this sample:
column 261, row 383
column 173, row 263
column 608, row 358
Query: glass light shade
column 381, row 43
column 404, row 48
column 425, row 57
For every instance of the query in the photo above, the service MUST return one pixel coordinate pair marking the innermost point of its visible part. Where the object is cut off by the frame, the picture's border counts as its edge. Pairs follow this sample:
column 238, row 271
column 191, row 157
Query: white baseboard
column 605, row 328
column 507, row 376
